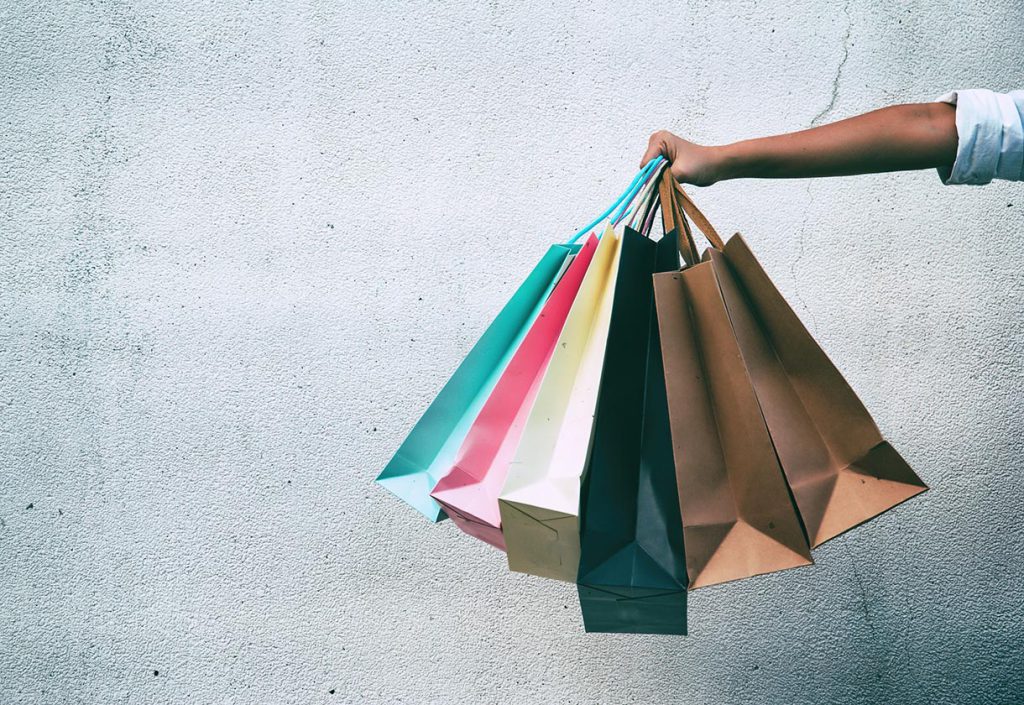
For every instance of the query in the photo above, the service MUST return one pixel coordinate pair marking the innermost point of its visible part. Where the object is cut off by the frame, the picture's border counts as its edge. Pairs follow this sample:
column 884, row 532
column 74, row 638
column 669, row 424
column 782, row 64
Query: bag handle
column 651, row 209
column 661, row 187
column 622, row 201
column 672, row 218
column 699, row 219
column 644, row 203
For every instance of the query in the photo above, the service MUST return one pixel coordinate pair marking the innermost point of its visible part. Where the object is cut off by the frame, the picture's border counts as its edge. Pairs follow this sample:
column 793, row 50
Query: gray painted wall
column 242, row 246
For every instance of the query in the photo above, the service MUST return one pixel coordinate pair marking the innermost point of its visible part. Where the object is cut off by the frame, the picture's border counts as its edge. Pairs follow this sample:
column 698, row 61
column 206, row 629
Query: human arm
column 897, row 138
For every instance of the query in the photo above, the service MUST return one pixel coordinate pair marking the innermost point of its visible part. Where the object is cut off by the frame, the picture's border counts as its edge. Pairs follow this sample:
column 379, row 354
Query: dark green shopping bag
column 632, row 573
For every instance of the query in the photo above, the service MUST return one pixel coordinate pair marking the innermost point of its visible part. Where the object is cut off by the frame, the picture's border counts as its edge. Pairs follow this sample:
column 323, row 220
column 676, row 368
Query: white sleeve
column 990, row 128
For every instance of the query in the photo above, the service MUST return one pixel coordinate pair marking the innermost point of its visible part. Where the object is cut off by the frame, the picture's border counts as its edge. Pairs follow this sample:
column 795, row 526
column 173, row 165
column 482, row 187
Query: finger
column 655, row 146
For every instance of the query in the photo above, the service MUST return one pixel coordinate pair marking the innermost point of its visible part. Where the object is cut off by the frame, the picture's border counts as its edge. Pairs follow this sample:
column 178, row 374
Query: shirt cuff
column 989, row 134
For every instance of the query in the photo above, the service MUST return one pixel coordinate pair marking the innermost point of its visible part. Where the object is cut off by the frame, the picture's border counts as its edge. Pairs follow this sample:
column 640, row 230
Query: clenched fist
column 691, row 163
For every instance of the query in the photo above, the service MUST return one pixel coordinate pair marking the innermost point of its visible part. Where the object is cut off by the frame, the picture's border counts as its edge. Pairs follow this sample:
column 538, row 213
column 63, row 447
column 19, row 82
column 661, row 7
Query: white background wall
column 242, row 246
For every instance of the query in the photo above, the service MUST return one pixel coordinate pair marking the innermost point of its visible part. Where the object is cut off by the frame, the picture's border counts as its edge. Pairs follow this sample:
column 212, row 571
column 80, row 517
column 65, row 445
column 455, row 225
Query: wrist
column 727, row 161
column 701, row 165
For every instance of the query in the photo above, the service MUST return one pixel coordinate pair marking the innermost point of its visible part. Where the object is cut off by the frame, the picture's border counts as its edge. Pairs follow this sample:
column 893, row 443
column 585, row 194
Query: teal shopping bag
column 632, row 570
column 429, row 450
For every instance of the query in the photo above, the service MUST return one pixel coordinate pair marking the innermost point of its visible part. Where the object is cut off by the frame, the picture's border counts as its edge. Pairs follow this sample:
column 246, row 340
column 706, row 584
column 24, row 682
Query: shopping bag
column 632, row 573
column 539, row 503
column 469, row 491
column 429, row 450
column 737, row 516
column 841, row 470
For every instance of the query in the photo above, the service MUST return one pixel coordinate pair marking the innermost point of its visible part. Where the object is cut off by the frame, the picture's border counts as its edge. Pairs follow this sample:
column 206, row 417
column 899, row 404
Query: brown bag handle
column 672, row 218
column 698, row 218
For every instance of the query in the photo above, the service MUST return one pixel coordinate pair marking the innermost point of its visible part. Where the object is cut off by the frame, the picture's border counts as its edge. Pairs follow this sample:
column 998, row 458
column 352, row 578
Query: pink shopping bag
column 469, row 492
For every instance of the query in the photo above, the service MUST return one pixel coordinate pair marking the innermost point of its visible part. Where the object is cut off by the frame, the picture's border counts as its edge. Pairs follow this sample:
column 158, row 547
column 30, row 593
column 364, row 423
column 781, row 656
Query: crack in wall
column 815, row 121
column 860, row 587
column 834, row 98
column 801, row 238
column 883, row 664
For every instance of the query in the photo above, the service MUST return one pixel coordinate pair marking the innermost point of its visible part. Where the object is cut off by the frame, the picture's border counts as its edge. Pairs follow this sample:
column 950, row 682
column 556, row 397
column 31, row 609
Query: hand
column 691, row 163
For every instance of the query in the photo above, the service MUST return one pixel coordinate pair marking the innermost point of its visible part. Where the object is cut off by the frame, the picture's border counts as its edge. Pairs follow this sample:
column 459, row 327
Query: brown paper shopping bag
column 840, row 469
column 738, row 517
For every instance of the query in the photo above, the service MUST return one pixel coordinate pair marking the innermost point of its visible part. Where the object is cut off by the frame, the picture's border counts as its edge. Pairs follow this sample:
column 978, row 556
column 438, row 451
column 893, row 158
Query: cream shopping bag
column 540, row 500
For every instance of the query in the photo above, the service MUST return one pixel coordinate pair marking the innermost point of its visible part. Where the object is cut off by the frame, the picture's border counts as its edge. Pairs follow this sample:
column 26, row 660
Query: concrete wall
column 242, row 245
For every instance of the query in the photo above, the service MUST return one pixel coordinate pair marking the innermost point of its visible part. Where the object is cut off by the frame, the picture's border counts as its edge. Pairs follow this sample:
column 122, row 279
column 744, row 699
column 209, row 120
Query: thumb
column 655, row 146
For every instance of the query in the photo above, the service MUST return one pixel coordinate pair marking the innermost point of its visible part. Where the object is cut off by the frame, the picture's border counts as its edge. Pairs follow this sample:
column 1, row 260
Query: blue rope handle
column 639, row 201
column 623, row 201
column 629, row 204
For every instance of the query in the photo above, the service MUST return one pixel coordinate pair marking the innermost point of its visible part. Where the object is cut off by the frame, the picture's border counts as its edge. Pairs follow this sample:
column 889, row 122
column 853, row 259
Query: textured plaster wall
column 243, row 244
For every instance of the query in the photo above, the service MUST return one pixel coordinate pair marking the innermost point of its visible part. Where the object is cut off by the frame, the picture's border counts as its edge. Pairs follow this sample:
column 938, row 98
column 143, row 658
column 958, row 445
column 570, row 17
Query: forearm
column 897, row 138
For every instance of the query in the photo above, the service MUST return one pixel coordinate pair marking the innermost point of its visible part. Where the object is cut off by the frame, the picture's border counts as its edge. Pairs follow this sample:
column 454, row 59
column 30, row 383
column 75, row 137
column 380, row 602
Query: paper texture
column 632, row 572
column 738, row 518
column 841, row 470
column 540, row 501
column 469, row 491
column 429, row 450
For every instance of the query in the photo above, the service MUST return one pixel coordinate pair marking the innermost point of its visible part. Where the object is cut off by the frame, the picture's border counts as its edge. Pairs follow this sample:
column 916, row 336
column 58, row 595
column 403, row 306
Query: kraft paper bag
column 841, row 470
column 469, row 491
column 540, row 501
column 738, row 518
column 429, row 450
column 632, row 572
